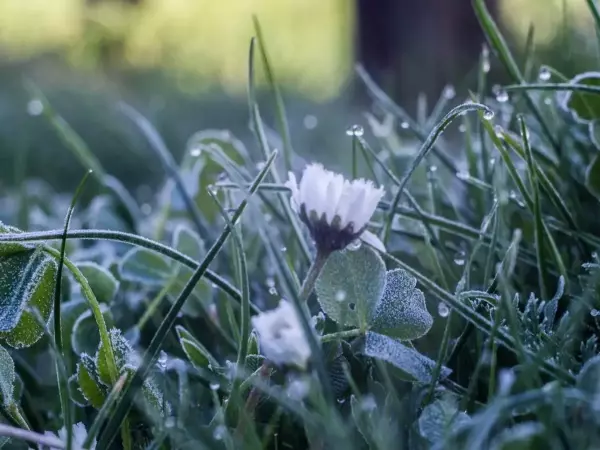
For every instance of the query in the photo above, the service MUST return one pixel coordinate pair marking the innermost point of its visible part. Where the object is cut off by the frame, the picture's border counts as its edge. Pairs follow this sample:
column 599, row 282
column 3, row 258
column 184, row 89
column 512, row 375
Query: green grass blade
column 595, row 90
column 151, row 353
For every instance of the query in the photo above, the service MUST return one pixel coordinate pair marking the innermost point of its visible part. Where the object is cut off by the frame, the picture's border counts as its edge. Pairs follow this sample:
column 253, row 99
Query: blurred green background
column 183, row 64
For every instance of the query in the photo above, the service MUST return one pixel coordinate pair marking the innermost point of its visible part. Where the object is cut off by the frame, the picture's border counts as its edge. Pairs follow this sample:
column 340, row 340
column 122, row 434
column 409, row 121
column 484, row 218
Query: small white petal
column 292, row 184
column 371, row 239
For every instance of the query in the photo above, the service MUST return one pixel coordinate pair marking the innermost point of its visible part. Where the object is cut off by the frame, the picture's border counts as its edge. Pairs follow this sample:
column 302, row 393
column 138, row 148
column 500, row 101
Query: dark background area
column 184, row 65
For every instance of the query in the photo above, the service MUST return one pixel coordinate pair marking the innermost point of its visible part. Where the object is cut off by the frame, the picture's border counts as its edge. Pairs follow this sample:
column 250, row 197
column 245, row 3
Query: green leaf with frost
column 7, row 377
column 103, row 283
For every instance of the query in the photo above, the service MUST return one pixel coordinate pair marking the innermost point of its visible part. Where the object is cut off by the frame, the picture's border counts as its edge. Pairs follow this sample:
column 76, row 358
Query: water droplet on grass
column 488, row 115
column 449, row 92
column 404, row 125
column 544, row 74
column 502, row 96
column 594, row 313
column 214, row 386
column 195, row 152
column 462, row 128
column 355, row 130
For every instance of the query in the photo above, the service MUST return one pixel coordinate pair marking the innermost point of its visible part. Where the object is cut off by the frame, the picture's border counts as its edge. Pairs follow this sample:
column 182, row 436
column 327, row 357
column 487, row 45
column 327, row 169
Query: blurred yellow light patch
column 310, row 42
column 547, row 16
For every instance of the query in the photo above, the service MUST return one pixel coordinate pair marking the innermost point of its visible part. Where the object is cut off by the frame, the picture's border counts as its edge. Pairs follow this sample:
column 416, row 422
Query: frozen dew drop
column 214, row 386
column 195, row 152
column 443, row 309
column 310, row 122
column 260, row 165
column 547, row 101
column 432, row 169
column 355, row 130
column 501, row 96
column 544, row 74
column 404, row 125
column 449, row 92
column 35, row 107
column 219, row 432
column 459, row 258
column 488, row 114
column 273, row 290
column 498, row 130
column 354, row 245
column 462, row 128
column 162, row 360
column 283, row 249
column 594, row 313
column 340, row 295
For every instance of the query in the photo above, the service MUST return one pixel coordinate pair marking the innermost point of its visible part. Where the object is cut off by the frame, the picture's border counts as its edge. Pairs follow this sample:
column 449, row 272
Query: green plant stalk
column 155, row 302
column 440, row 359
column 312, row 275
column 342, row 335
column 151, row 353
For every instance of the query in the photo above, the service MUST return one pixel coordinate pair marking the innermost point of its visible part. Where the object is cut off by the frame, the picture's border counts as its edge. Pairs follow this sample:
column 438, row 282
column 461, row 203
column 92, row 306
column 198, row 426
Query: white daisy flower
column 282, row 339
column 79, row 435
column 335, row 210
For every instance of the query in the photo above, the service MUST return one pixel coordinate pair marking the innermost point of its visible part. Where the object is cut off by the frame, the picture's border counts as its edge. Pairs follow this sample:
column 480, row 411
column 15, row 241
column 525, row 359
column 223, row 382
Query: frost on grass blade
column 101, row 281
column 401, row 311
column 76, row 393
column 7, row 377
column 439, row 418
column 26, row 296
column 408, row 360
column 350, row 285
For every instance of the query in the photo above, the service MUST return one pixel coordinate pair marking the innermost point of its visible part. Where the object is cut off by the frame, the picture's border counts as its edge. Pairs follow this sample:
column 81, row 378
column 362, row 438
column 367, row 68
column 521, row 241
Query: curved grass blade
column 168, row 162
column 554, row 87
column 66, row 404
column 151, row 353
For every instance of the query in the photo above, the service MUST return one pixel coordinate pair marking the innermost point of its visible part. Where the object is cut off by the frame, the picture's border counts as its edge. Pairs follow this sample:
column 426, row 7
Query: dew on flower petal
column 544, row 74
column 355, row 130
column 449, row 92
column 404, row 125
column 354, row 245
column 443, row 309
column 219, row 432
column 195, row 152
column 214, row 386
column 594, row 313
column 310, row 122
column 459, row 258
column 35, row 107
column 340, row 295
column 488, row 114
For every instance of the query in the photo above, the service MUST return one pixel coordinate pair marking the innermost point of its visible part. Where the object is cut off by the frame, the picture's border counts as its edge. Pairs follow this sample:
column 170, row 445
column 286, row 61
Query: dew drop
column 283, row 249
column 488, row 114
column 162, row 360
column 547, row 101
column 310, row 122
column 432, row 169
column 459, row 258
column 219, row 432
column 35, row 107
column 492, row 161
column 506, row 379
column 501, row 96
column 443, row 309
column 214, row 386
column 594, row 313
column 449, row 92
column 404, row 125
column 341, row 401
column 498, row 130
column 544, row 74
column 462, row 128
column 368, row 403
column 485, row 66
column 270, row 282
column 354, row 245
column 195, row 152
column 146, row 209
column 355, row 130
column 260, row 165
column 463, row 176
column 170, row 422
column 340, row 295
column 273, row 290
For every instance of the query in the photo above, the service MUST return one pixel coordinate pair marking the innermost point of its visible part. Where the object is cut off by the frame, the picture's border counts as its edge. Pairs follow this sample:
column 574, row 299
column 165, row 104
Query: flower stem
column 311, row 277
column 341, row 335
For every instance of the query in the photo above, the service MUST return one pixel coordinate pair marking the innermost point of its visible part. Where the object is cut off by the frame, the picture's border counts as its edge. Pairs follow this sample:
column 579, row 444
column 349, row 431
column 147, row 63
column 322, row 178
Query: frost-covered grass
column 208, row 318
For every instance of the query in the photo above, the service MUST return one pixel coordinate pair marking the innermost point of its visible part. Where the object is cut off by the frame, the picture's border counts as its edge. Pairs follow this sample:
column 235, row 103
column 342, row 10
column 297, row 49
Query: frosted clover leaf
column 281, row 336
column 335, row 210
column 79, row 435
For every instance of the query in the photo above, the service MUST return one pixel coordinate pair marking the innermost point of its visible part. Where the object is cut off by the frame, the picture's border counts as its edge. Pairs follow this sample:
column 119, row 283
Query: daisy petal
column 371, row 239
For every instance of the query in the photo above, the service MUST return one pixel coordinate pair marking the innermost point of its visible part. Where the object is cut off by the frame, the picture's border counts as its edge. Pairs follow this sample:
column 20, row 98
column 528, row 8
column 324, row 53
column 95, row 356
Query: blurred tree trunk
column 418, row 46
